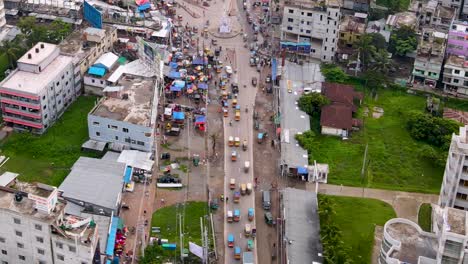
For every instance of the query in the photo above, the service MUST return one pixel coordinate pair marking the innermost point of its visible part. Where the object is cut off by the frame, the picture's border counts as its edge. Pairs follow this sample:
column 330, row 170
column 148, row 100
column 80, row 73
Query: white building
column 454, row 190
column 2, row 14
column 95, row 80
column 405, row 242
column 314, row 22
column 456, row 76
column 34, row 228
column 39, row 91
column 126, row 115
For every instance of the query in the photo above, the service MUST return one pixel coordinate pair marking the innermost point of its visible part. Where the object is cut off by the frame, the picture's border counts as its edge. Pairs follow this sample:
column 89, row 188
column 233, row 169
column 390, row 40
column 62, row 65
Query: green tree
column 366, row 50
column 333, row 73
column 381, row 62
column 312, row 103
column 27, row 25
column 13, row 51
column 378, row 41
column 58, row 31
column 403, row 40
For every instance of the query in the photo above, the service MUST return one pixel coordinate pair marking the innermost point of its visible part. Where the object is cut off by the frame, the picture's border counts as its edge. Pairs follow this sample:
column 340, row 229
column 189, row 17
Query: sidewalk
column 406, row 204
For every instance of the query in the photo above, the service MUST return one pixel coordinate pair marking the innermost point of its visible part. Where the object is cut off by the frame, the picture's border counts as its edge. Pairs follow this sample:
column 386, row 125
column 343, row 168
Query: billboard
column 92, row 15
column 302, row 47
column 151, row 54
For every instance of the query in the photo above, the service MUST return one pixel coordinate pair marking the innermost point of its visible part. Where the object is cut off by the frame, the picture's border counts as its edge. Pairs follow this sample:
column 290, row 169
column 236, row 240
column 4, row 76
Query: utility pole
column 363, row 168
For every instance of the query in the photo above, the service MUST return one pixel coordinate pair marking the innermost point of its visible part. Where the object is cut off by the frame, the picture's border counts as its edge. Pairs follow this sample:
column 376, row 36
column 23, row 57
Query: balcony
column 22, row 122
column 22, row 112
column 21, row 103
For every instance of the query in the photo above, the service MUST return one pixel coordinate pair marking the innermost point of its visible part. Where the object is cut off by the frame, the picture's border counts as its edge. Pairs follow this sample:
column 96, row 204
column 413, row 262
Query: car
column 228, row 69
column 268, row 78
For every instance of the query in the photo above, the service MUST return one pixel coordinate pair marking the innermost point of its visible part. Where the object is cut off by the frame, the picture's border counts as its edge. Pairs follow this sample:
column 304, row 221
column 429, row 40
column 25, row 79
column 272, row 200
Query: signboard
column 302, row 47
column 151, row 54
column 92, row 15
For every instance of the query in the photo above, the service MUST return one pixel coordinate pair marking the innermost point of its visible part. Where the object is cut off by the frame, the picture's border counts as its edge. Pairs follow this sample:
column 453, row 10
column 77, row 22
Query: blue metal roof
column 111, row 238
column 128, row 174
column 97, row 71
column 178, row 115
column 302, row 170
column 144, row 7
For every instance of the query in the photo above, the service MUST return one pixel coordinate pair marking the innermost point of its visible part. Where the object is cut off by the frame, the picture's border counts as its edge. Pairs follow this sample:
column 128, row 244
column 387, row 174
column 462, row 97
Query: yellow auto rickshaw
column 247, row 230
column 234, row 102
column 231, row 141
column 236, row 142
column 243, row 189
column 237, row 116
column 225, row 95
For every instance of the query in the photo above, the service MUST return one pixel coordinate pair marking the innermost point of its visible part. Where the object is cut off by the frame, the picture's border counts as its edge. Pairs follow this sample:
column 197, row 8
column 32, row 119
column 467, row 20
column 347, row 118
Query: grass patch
column 357, row 218
column 403, row 4
column 425, row 216
column 393, row 159
column 48, row 158
column 167, row 220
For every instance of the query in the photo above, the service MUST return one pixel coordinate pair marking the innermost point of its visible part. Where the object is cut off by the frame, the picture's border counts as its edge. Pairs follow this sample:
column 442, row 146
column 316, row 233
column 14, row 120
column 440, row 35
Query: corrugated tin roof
column 7, row 177
column 107, row 60
column 95, row 181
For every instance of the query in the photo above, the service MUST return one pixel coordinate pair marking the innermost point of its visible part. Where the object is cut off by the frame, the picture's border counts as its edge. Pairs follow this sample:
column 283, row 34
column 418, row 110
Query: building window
column 38, row 227
column 2, row 240
column 4, row 252
column 310, row 14
column 72, row 248
column 290, row 20
column 44, row 107
column 291, row 11
column 461, row 196
column 96, row 123
column 127, row 140
column 40, row 251
column 21, row 257
column 456, row 71
column 43, row 97
column 125, row 130
column 456, row 80
column 98, row 134
column 308, row 31
column 42, row 262
column 289, row 28
column 17, row 221
column 20, row 245
column 116, row 138
column 19, row 233
column 45, row 116
column 60, row 257
column 40, row 239
column 114, row 127
column 133, row 141
column 59, row 245
column 140, row 143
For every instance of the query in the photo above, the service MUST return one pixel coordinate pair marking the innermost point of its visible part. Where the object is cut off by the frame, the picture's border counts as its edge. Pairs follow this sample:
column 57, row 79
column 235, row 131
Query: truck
column 248, row 258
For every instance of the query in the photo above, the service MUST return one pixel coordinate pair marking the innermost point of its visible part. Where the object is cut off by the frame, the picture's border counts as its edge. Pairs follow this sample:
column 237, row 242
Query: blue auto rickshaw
column 230, row 240
column 250, row 214
column 237, row 253
column 260, row 138
column 236, row 215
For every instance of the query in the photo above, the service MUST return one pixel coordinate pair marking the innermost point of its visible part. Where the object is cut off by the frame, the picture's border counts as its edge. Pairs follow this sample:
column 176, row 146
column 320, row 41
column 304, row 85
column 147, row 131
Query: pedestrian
column 144, row 212
column 162, row 201
column 227, row 199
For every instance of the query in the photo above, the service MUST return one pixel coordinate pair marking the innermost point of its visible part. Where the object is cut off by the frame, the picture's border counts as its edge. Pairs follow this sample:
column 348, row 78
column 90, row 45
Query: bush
column 312, row 103
column 425, row 217
column 433, row 130
column 333, row 73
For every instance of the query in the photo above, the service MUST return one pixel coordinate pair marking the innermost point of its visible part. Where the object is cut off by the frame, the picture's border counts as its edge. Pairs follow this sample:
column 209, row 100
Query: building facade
column 34, row 228
column 457, row 43
column 454, row 190
column 429, row 59
column 39, row 91
column 315, row 22
column 357, row 5
column 2, row 14
column 455, row 78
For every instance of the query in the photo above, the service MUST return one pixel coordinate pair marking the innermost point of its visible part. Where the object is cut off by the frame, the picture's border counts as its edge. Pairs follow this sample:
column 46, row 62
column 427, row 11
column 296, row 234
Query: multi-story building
column 126, row 115
column 95, row 80
column 351, row 30
column 429, row 59
column 357, row 5
column 86, row 46
column 405, row 242
column 433, row 14
column 39, row 91
column 398, row 20
column 2, row 14
column 464, row 11
column 455, row 77
column 457, row 43
column 35, row 229
column 454, row 190
column 315, row 22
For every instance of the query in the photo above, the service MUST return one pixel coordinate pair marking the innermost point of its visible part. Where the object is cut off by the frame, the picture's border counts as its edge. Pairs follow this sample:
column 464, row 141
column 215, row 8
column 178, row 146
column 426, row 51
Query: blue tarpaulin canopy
column 200, row 120
column 173, row 65
column 128, row 174
column 178, row 84
column 203, row 86
column 174, row 75
column 178, row 115
column 273, row 69
column 97, row 71
column 302, row 170
column 260, row 135
column 175, row 89
column 199, row 61
column 144, row 7
column 111, row 238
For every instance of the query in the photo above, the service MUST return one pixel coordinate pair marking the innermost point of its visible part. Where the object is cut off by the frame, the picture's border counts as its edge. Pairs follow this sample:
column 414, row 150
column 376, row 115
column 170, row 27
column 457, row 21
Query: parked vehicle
column 237, row 253
column 230, row 240
column 229, row 216
column 260, row 138
column 247, row 230
column 228, row 70
column 231, row 141
column 173, row 131
column 234, row 156
column 250, row 245
column 243, row 189
column 244, row 145
column 268, row 218
column 249, row 188
column 232, row 184
column 268, row 78
column 266, row 201
column 236, row 141
column 250, row 214
column 225, row 112
column 237, row 116
column 246, row 166
column 236, row 197
column 236, row 215
column 214, row 204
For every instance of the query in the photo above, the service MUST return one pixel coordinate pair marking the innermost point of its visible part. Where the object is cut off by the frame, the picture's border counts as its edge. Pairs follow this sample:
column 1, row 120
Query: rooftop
column 351, row 24
column 402, row 19
column 80, row 228
column 293, row 120
column 28, row 206
column 432, row 45
column 414, row 242
column 95, row 181
column 341, row 93
column 317, row 5
column 33, row 83
column 456, row 61
column 39, row 53
column 337, row 116
column 450, row 220
column 445, row 12
column 133, row 102
column 301, row 213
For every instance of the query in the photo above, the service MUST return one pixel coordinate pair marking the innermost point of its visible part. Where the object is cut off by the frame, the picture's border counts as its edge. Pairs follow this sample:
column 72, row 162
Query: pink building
column 39, row 91
column 458, row 39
